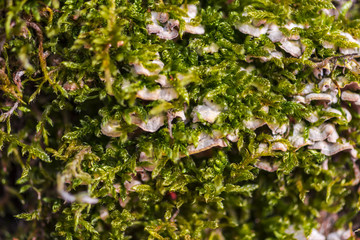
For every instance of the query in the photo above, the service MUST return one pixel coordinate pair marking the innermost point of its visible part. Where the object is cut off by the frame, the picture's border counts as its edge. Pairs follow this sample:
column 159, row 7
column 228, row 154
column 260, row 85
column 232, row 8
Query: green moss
column 78, row 160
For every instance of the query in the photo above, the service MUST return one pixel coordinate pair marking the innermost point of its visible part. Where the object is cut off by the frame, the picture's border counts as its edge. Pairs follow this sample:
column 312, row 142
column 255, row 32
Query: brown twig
column 322, row 63
column 8, row 114
column 41, row 49
column 172, row 219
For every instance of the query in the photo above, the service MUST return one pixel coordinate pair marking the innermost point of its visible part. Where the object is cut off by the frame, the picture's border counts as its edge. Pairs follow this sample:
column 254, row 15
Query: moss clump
column 179, row 119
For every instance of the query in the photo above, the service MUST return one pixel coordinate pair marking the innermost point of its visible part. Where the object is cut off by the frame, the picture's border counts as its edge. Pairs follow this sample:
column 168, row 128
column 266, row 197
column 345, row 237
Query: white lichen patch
column 192, row 13
column 262, row 150
column 291, row 47
column 350, row 97
column 167, row 32
column 297, row 139
column 340, row 234
column 274, row 33
column 278, row 129
column 328, row 45
column 272, row 54
column 205, row 143
column 254, row 123
column 327, row 84
column 130, row 184
column 194, row 29
column 111, row 128
column 279, row 146
column 340, row 116
column 166, row 94
column 151, row 125
column 141, row 70
column 167, row 29
column 208, row 112
column 330, row 149
column 249, row 29
column 312, row 117
column 319, row 97
column 267, row 166
column 212, row 48
column 144, row 158
column 350, row 38
column 180, row 114
column 323, row 132
column 233, row 136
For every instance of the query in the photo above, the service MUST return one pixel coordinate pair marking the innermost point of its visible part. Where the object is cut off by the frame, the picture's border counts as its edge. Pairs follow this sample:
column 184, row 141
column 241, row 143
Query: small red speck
column 173, row 195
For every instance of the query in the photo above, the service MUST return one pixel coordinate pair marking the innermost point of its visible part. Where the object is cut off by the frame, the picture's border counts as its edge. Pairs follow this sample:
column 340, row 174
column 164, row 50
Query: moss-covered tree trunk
column 179, row 119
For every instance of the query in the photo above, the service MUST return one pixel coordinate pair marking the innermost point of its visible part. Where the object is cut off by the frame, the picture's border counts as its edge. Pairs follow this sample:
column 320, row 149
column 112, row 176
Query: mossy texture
column 179, row 119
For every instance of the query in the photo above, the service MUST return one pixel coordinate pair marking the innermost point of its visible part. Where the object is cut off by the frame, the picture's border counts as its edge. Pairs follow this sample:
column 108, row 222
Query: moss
column 179, row 119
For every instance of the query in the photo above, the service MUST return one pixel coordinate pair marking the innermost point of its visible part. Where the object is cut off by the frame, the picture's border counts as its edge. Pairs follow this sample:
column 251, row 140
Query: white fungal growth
column 299, row 99
column 309, row 88
column 318, row 97
column 323, row 132
column 144, row 158
column 194, row 29
column 330, row 149
column 347, row 116
column 278, row 146
column 151, row 125
column 163, row 81
column 274, row 33
column 192, row 13
column 249, row 29
column 146, row 94
column 212, row 48
column 328, row 45
column 292, row 25
column 180, row 114
column 297, row 139
column 355, row 50
column 351, row 97
column 278, row 129
column 273, row 54
column 82, row 197
column 130, row 184
column 327, row 84
column 169, row 30
column 263, row 150
column 205, row 143
column 254, row 123
column 162, row 17
column 266, row 166
column 166, row 94
column 208, row 112
column 111, row 128
column 291, row 47
column 315, row 235
column 313, row 117
column 141, row 70
column 340, row 234
column 234, row 136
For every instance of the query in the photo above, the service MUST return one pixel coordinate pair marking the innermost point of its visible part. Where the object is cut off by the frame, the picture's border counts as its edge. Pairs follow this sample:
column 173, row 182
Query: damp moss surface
column 179, row 119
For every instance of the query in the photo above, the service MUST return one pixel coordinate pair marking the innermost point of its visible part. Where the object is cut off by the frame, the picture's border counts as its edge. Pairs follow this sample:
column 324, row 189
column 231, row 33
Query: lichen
column 172, row 119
